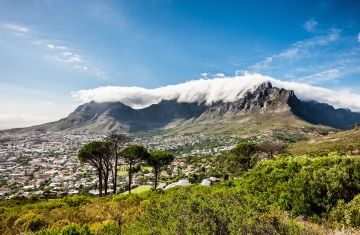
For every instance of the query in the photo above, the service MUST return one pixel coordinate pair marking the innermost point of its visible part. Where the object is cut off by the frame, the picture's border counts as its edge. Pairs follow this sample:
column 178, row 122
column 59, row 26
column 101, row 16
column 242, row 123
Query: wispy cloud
column 358, row 37
column 322, row 76
column 68, row 56
column 310, row 25
column 52, row 46
column 16, row 28
column 59, row 53
column 298, row 50
column 323, row 58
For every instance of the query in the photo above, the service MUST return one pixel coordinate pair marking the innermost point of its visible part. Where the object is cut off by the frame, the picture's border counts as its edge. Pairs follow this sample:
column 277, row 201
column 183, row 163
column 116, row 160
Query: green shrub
column 107, row 227
column 77, row 200
column 305, row 185
column 347, row 213
column 72, row 229
column 30, row 222
column 35, row 224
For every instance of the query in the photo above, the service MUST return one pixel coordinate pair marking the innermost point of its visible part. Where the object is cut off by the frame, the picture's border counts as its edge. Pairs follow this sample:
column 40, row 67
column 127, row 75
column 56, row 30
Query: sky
column 52, row 52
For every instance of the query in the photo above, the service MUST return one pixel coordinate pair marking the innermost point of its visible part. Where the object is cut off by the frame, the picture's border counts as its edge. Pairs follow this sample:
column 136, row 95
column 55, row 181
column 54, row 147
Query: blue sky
column 49, row 48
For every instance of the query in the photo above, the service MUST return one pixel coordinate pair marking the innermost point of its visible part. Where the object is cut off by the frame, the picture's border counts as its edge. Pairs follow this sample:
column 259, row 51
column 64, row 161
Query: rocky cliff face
column 264, row 99
column 105, row 117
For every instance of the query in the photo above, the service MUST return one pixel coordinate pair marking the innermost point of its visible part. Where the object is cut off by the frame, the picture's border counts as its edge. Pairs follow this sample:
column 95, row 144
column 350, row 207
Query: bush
column 304, row 185
column 35, row 224
column 77, row 200
column 30, row 222
column 347, row 213
column 107, row 227
column 216, row 210
column 72, row 229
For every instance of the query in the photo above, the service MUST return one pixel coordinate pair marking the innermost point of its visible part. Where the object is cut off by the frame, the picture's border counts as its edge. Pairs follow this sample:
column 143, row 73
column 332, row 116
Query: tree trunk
column 156, row 178
column 129, row 178
column 106, row 177
column 100, row 182
column 115, row 172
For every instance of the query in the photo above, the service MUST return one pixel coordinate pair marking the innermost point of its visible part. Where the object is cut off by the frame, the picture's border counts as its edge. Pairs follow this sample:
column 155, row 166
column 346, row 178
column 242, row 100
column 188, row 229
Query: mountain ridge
column 105, row 117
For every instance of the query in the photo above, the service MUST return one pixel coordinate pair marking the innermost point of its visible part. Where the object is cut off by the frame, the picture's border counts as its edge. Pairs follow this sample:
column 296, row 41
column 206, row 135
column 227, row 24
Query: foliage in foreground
column 268, row 199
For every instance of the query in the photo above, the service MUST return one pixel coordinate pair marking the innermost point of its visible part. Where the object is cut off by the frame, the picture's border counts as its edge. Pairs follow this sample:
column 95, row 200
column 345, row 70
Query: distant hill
column 261, row 110
column 345, row 142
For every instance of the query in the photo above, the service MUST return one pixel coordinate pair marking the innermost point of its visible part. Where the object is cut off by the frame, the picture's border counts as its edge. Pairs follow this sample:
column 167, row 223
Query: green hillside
column 346, row 142
column 284, row 126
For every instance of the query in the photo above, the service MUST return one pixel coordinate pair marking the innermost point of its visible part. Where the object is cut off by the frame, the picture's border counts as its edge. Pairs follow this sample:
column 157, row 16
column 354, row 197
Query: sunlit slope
column 346, row 142
column 284, row 126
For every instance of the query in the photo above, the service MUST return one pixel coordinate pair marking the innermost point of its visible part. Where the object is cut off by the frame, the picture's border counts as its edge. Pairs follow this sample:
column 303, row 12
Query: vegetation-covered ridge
column 345, row 142
column 286, row 195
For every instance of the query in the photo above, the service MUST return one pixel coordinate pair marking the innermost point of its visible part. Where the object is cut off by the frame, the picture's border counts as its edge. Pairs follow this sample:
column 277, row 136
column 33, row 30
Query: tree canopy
column 158, row 159
column 98, row 154
column 132, row 155
column 245, row 154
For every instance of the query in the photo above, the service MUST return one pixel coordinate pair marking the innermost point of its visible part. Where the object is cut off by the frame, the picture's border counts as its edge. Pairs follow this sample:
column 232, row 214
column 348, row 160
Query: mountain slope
column 260, row 110
column 345, row 142
column 105, row 117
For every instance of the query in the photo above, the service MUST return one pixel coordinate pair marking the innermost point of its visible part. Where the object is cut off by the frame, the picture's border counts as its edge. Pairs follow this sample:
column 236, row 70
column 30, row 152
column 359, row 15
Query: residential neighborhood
column 35, row 164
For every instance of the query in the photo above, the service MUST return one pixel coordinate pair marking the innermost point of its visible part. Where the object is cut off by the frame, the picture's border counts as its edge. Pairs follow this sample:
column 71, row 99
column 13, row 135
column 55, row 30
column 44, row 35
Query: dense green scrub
column 288, row 195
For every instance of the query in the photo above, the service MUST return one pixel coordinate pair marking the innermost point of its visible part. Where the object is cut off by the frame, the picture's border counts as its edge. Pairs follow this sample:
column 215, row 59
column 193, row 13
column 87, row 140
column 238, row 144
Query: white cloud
column 16, row 28
column 314, row 60
column 310, row 25
column 289, row 54
column 299, row 50
column 67, row 56
column 52, row 46
column 60, row 53
column 358, row 37
column 225, row 89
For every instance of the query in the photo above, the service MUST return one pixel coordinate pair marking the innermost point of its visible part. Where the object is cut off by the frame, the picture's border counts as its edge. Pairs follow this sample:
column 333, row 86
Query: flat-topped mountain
column 256, row 107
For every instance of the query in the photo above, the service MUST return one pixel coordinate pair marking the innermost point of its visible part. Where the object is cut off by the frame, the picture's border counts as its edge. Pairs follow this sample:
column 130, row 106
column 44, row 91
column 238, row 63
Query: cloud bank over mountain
column 220, row 88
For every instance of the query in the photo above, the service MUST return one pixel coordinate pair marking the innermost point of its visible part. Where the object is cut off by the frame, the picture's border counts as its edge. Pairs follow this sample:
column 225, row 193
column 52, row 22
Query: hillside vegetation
column 283, row 126
column 346, row 142
column 288, row 195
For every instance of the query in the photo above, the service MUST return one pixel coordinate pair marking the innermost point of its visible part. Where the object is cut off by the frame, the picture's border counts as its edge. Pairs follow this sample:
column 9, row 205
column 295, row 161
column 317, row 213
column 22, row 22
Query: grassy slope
column 247, row 126
column 346, row 142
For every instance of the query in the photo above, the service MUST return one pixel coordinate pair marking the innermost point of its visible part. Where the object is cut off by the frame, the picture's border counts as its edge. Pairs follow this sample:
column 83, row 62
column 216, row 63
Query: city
column 38, row 164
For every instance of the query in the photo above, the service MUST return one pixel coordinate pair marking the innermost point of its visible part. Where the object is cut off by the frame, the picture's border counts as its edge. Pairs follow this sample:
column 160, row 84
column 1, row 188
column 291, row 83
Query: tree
column 245, row 154
column 108, row 163
column 272, row 148
column 132, row 155
column 158, row 159
column 118, row 142
column 97, row 153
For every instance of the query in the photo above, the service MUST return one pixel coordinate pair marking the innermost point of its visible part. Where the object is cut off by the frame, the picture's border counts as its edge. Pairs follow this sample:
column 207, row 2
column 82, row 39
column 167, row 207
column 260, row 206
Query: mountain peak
column 264, row 86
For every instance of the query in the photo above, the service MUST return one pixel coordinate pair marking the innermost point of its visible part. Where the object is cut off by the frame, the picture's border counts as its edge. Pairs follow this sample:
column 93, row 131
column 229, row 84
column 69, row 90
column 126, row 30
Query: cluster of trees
column 245, row 155
column 105, row 155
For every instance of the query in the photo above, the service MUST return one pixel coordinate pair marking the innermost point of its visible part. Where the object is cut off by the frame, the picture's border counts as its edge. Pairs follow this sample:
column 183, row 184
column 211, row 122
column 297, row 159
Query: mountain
column 259, row 110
